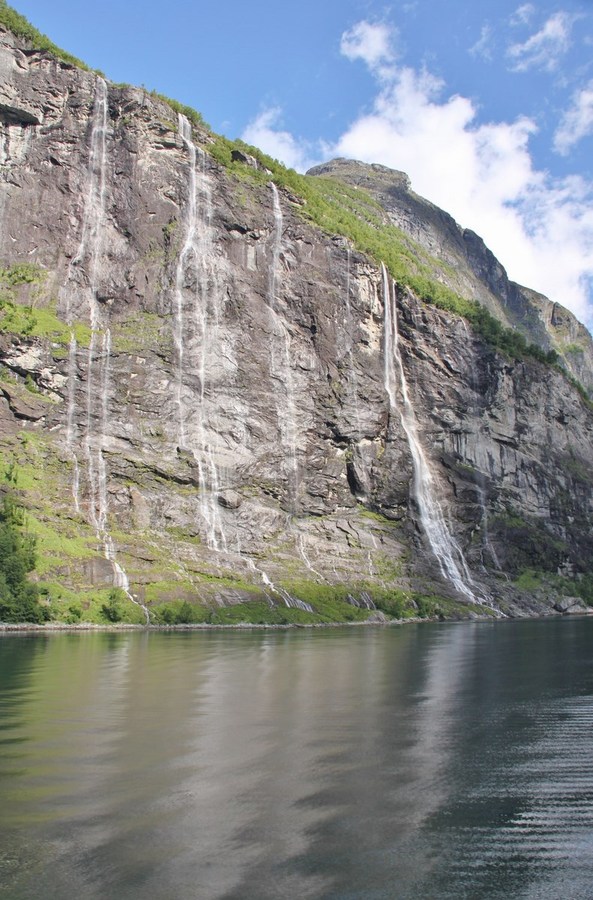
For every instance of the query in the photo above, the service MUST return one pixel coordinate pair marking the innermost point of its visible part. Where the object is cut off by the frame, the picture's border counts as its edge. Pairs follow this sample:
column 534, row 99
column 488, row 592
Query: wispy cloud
column 545, row 48
column 577, row 121
column 483, row 46
column 523, row 14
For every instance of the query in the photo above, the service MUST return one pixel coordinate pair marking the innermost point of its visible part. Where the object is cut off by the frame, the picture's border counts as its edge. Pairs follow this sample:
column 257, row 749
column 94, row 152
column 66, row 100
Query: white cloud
column 577, row 121
column 482, row 174
column 523, row 14
column 263, row 132
column 543, row 49
column 369, row 42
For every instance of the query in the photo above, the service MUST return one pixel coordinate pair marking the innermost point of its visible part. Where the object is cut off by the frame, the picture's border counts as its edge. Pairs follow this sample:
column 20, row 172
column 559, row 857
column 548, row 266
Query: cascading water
column 197, row 305
column 444, row 547
column 89, row 256
column 186, row 253
column 349, row 323
column 71, row 431
column 281, row 369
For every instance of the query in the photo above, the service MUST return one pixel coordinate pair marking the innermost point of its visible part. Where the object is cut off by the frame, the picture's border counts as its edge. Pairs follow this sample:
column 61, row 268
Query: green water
column 429, row 761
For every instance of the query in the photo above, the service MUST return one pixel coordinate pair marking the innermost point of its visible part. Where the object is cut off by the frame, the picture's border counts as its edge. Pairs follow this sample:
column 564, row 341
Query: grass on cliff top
column 21, row 27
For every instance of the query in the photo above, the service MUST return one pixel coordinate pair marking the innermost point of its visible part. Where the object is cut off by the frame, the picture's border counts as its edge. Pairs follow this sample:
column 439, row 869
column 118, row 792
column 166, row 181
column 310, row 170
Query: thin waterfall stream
column 443, row 545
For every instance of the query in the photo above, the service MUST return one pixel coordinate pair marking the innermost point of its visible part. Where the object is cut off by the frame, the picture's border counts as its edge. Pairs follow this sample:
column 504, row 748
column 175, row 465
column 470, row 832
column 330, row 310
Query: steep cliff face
column 209, row 399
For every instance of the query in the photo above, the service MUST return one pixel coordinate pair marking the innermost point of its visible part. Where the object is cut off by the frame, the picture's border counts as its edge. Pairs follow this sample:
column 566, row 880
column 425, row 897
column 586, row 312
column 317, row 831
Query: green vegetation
column 188, row 111
column 112, row 610
column 180, row 612
column 20, row 26
column 579, row 389
column 19, row 599
column 537, row 579
column 331, row 604
column 30, row 321
column 14, row 317
column 143, row 331
column 21, row 273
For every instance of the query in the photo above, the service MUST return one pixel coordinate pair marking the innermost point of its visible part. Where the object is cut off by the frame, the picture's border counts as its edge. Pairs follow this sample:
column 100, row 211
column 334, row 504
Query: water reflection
column 430, row 761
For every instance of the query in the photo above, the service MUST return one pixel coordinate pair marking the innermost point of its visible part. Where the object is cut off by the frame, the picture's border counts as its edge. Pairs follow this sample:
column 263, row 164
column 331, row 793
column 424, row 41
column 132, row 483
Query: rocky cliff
column 209, row 399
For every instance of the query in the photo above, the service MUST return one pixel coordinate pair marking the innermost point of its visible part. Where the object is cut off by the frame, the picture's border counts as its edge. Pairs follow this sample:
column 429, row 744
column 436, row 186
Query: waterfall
column 186, row 252
column 71, row 431
column 276, row 244
column 197, row 306
column 280, row 364
column 349, row 322
column 442, row 544
column 89, row 255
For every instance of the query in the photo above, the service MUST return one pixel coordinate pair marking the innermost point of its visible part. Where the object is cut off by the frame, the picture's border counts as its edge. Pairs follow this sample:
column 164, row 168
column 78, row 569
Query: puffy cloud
column 577, row 121
column 369, row 42
column 263, row 132
column 544, row 48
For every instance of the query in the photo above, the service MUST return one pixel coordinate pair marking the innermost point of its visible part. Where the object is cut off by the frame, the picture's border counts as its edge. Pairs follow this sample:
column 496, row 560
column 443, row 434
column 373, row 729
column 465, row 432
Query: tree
column 19, row 599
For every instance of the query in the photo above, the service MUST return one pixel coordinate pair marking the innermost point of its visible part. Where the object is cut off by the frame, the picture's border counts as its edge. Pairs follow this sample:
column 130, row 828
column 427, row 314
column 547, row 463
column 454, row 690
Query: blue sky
column 488, row 106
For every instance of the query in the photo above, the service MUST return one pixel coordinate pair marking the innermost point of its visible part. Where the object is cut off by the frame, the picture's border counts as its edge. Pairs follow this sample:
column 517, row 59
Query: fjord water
column 438, row 761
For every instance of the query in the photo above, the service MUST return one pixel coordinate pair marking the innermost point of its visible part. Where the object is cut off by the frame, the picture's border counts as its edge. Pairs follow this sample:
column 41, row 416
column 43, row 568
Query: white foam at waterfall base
column 444, row 547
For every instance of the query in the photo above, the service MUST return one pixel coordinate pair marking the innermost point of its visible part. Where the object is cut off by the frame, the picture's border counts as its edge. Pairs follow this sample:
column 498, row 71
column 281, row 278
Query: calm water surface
column 432, row 761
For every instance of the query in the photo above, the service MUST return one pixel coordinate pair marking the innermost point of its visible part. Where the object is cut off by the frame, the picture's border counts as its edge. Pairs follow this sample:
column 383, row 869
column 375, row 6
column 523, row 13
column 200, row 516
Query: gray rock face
column 214, row 414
